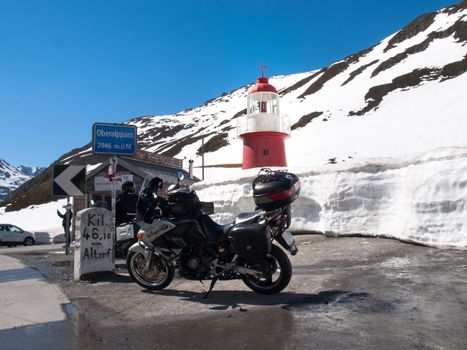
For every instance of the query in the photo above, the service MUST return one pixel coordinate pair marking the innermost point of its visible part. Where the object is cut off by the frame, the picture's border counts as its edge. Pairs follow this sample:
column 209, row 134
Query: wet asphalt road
column 346, row 293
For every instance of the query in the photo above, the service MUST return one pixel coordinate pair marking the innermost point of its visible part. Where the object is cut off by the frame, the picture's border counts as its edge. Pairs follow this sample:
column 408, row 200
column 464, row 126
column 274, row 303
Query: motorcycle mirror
column 180, row 176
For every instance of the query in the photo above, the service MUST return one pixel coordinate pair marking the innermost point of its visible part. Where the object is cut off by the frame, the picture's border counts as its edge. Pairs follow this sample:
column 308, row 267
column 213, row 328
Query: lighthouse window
column 265, row 152
column 263, row 107
column 263, row 102
column 275, row 109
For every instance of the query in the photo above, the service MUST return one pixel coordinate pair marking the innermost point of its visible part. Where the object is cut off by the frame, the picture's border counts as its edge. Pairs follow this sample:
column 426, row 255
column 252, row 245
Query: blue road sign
column 113, row 139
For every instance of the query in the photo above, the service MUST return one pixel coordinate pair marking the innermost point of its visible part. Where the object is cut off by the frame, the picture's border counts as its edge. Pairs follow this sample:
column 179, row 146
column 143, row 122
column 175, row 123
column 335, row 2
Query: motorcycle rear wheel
column 280, row 268
column 157, row 277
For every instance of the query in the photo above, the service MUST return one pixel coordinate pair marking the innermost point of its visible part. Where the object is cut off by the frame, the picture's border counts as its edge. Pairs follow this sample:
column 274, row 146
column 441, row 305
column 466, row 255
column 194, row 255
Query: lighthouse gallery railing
column 263, row 122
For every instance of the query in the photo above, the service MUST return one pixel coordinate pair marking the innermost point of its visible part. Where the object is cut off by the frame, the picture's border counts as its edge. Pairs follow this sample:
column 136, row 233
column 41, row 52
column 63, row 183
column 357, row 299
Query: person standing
column 125, row 210
column 64, row 220
column 66, row 224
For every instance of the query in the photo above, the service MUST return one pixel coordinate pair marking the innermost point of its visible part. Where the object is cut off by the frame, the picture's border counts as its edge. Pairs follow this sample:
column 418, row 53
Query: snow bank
column 423, row 200
column 37, row 218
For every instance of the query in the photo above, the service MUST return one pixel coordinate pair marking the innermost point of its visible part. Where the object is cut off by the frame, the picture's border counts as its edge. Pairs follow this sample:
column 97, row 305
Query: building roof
column 143, row 170
column 262, row 85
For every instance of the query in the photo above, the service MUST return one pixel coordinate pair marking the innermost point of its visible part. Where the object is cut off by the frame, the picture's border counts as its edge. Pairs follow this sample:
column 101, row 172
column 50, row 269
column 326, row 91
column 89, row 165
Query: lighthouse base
column 264, row 149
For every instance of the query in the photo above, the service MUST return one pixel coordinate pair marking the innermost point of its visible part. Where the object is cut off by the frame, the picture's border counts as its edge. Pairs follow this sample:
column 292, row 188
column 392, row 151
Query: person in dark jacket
column 63, row 217
column 149, row 204
column 125, row 210
column 151, row 208
column 66, row 227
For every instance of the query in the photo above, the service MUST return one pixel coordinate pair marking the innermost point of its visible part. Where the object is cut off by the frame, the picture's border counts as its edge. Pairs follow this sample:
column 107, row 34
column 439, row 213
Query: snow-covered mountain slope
column 11, row 177
column 401, row 97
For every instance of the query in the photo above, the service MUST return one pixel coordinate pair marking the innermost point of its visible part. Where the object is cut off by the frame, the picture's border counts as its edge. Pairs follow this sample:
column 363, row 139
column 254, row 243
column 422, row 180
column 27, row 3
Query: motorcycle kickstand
column 213, row 282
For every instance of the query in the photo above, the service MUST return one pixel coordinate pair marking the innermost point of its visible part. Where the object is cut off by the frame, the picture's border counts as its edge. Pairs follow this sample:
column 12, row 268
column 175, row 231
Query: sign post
column 114, row 139
column 68, row 209
column 68, row 180
column 113, row 181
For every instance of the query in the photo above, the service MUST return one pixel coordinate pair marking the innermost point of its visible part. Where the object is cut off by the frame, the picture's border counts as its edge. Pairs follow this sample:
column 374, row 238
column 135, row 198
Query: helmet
column 128, row 187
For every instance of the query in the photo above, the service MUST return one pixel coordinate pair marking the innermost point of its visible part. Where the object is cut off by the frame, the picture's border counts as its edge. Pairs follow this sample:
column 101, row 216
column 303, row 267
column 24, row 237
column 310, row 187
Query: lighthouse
column 263, row 129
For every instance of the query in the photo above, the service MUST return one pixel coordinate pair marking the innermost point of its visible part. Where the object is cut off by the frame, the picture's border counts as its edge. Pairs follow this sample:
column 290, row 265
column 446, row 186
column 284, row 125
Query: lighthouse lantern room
column 263, row 129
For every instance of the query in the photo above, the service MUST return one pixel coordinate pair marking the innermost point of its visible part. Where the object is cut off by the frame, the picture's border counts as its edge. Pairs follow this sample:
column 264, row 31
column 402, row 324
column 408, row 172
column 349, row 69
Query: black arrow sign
column 69, row 180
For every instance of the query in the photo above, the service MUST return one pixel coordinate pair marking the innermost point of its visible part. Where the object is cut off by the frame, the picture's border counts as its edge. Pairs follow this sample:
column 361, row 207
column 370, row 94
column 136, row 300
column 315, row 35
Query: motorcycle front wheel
column 277, row 272
column 158, row 276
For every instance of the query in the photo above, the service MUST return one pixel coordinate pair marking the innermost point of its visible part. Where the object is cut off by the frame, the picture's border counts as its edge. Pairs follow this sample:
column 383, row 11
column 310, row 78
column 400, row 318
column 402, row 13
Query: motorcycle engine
column 196, row 265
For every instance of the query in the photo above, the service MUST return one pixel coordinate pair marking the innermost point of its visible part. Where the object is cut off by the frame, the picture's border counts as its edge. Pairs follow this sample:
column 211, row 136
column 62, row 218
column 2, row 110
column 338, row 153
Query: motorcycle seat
column 247, row 217
column 214, row 231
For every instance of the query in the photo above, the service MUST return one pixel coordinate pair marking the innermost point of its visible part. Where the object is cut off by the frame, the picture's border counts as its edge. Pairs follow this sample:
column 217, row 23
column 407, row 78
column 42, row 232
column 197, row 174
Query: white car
column 11, row 235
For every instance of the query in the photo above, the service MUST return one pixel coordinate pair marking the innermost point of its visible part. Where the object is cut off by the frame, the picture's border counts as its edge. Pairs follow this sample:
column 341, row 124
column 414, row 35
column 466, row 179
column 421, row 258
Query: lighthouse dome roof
column 262, row 85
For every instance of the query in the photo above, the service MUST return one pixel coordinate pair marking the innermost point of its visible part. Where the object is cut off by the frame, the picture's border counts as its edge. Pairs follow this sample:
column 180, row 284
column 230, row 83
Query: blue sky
column 67, row 64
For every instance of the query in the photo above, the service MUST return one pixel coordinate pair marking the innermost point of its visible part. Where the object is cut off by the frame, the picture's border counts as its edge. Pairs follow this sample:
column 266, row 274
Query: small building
column 138, row 169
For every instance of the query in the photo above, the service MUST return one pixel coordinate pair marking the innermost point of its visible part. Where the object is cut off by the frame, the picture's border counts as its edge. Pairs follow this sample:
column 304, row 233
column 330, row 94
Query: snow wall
column 423, row 200
column 42, row 219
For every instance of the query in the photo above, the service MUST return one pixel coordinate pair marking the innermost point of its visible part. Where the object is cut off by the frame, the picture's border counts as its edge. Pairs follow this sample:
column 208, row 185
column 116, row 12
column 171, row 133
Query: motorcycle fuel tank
column 183, row 203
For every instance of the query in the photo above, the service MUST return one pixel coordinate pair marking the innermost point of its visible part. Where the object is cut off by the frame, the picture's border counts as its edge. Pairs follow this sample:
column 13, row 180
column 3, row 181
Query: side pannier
column 250, row 240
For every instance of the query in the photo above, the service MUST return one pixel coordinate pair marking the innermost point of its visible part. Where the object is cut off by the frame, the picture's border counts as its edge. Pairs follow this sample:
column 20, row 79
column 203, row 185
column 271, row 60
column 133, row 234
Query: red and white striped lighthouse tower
column 263, row 129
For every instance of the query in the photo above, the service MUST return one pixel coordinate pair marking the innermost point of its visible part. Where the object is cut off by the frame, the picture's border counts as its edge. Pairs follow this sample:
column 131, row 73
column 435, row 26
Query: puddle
column 352, row 301
column 51, row 335
column 64, row 263
column 69, row 310
column 324, row 299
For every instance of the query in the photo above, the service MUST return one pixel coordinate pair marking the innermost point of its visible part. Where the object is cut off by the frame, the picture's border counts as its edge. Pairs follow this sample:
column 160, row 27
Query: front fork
column 150, row 251
column 148, row 254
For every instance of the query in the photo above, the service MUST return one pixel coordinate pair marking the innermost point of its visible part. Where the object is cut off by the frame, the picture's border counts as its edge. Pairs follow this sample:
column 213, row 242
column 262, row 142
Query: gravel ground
column 346, row 293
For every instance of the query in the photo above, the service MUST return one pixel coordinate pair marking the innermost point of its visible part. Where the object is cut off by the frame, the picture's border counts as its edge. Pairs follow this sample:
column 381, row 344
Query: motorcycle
column 182, row 237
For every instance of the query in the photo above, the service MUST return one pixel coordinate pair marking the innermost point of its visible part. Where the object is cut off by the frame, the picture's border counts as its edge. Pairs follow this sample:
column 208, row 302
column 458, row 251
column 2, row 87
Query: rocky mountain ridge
column 11, row 177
